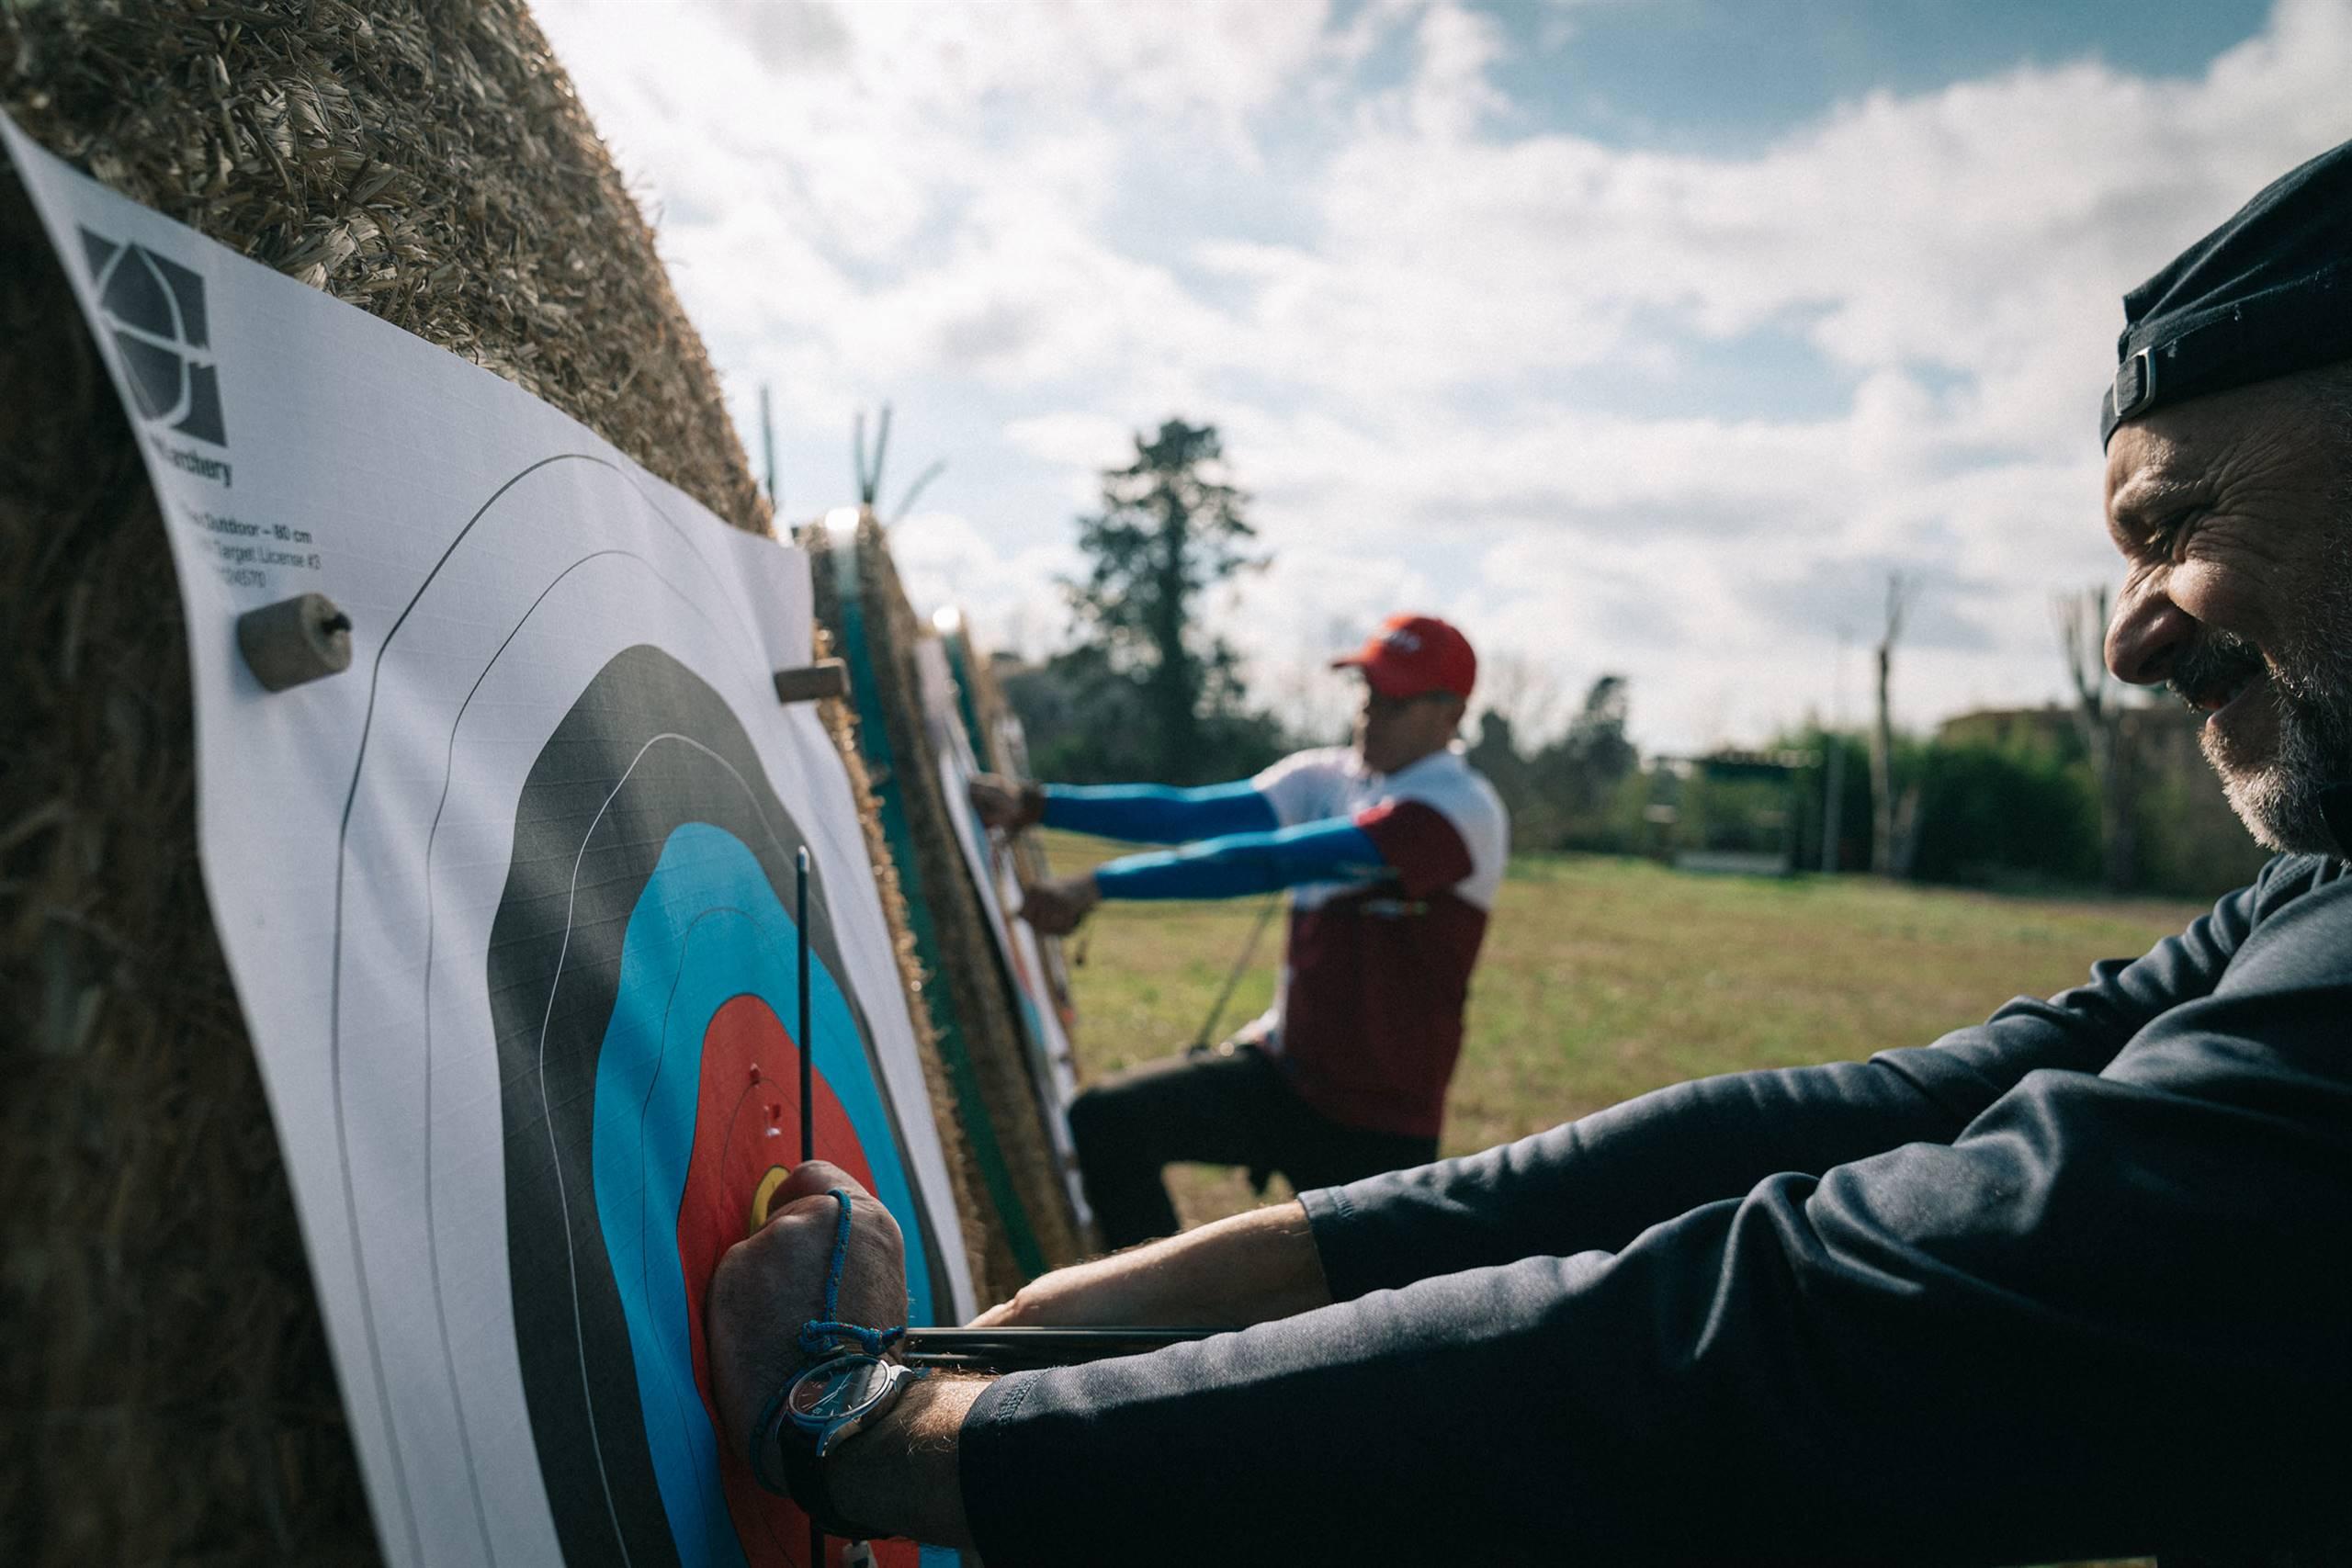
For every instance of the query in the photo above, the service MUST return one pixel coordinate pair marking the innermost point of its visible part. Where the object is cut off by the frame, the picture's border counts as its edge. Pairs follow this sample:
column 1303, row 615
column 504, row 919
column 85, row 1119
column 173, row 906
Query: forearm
column 1598, row 1182
column 1243, row 863
column 1157, row 814
column 901, row 1477
column 2085, row 1328
column 1241, row 1269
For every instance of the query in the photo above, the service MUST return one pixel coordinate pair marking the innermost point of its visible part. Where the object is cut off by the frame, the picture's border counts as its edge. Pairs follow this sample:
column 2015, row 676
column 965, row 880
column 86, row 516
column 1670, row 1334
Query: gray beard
column 2310, row 688
column 2279, row 802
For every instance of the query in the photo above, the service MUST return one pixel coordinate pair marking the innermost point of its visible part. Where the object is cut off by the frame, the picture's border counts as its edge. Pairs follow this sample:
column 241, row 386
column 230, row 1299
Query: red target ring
column 747, row 1132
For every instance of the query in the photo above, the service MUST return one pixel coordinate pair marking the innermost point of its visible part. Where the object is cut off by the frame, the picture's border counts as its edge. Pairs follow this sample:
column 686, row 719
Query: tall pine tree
column 1170, row 527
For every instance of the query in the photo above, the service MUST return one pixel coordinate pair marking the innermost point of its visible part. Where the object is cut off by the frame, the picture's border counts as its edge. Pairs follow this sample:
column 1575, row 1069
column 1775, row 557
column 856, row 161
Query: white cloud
column 1414, row 320
column 1010, row 599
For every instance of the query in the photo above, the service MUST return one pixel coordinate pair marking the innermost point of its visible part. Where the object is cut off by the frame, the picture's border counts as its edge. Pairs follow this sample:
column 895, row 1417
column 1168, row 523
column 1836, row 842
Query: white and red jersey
column 1367, row 1020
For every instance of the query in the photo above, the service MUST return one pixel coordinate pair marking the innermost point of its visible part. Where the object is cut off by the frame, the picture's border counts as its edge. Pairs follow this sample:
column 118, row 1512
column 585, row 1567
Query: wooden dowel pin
column 826, row 678
column 294, row 641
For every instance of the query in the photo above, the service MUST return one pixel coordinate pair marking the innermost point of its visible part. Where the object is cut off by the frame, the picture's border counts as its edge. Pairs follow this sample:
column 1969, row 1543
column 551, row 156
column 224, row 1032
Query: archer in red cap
column 1392, row 850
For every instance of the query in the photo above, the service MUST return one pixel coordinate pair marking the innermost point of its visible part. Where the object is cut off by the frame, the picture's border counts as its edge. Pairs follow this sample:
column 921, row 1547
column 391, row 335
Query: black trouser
column 1230, row 1106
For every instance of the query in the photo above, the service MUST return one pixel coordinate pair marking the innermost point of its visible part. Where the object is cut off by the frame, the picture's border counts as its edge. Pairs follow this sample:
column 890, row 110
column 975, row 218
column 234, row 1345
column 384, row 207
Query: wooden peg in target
column 826, row 678
column 295, row 640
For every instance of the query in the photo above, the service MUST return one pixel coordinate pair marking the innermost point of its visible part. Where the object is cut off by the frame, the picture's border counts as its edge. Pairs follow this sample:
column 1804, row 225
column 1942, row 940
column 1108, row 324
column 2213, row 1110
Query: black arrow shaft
column 1007, row 1349
column 807, row 1094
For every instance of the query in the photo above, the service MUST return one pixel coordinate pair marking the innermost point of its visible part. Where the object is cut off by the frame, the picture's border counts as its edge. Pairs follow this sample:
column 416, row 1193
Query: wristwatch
column 823, row 1407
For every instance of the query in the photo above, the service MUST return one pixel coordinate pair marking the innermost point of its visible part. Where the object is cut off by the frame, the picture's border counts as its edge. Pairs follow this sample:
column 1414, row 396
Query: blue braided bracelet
column 819, row 1338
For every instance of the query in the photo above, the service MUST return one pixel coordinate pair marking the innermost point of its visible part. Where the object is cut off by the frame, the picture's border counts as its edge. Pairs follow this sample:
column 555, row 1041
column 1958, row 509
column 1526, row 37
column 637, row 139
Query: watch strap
column 795, row 1446
column 804, row 1482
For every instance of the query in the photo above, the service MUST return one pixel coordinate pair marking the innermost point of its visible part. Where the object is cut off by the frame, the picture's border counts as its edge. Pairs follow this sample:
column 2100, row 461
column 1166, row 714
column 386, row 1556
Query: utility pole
column 2099, row 712
column 1833, row 805
column 1883, row 860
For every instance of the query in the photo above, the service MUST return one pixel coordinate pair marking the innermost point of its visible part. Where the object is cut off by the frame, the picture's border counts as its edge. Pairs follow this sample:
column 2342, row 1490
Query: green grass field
column 1604, row 978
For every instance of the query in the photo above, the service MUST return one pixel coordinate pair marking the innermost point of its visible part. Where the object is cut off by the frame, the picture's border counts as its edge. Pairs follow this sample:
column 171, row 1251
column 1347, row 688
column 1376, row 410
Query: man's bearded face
column 2276, row 790
column 2234, row 512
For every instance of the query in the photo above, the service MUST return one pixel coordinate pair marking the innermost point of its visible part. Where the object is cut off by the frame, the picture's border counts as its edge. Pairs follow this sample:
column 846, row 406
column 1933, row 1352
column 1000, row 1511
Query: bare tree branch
column 907, row 501
column 2081, row 618
column 1902, row 593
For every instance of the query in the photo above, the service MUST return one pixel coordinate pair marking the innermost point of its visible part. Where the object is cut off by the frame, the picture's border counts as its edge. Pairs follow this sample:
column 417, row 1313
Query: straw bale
column 979, row 1235
column 166, row 1393
column 997, row 723
column 995, row 1272
column 975, row 982
column 428, row 162
column 165, row 1387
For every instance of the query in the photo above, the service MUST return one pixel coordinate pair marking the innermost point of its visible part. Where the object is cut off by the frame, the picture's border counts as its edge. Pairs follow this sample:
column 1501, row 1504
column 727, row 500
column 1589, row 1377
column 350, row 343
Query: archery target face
column 600, row 1108
column 660, row 1069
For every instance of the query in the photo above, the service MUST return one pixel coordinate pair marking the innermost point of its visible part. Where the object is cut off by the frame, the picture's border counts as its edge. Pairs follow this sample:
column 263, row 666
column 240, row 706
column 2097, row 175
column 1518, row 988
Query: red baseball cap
column 1411, row 656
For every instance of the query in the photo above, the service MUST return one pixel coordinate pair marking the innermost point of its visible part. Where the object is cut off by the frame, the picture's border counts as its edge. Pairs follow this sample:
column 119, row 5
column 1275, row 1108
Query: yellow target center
column 762, row 1195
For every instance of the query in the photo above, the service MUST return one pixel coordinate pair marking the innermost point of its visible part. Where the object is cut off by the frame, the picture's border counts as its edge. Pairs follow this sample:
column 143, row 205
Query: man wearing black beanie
column 2072, row 1282
column 2227, row 491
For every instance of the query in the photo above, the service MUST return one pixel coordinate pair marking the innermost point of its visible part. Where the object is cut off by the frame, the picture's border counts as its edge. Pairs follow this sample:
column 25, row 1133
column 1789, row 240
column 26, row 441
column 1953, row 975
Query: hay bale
column 860, row 601
column 428, row 163
column 168, row 1393
column 980, row 1234
column 1002, row 746
column 977, row 985
column 997, row 1273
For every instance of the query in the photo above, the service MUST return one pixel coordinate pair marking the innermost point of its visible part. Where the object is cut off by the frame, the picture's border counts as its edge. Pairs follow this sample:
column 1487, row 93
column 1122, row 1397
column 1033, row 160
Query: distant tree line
column 2015, row 800
column 2104, row 793
column 1569, row 793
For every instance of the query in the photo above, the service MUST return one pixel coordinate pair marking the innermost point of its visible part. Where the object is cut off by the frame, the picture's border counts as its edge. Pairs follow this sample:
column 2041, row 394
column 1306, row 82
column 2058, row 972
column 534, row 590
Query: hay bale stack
column 1001, row 747
column 999, row 743
column 167, row 1392
column 863, row 605
column 980, row 1234
column 426, row 162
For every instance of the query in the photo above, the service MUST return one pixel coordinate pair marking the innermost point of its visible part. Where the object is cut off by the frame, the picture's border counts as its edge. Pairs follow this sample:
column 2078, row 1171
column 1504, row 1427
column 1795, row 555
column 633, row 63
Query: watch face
column 836, row 1390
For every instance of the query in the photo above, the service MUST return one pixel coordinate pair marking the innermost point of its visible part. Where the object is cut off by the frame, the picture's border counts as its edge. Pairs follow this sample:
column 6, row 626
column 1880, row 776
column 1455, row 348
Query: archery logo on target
column 153, row 309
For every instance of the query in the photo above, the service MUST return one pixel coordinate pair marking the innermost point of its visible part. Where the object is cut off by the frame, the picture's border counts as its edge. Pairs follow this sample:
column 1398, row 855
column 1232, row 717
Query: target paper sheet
column 1052, row 1065
column 509, row 903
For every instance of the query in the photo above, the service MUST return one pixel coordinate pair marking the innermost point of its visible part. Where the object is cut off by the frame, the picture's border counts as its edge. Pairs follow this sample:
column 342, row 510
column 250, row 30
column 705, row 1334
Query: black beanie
column 2268, row 293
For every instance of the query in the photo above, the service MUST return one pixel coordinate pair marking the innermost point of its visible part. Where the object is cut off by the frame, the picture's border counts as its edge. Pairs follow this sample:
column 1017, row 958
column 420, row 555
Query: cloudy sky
column 1637, row 335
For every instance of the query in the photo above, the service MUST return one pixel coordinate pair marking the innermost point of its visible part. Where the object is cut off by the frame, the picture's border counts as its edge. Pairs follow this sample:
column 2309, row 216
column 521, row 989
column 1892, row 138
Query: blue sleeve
column 1156, row 813
column 2106, row 1318
column 1335, row 849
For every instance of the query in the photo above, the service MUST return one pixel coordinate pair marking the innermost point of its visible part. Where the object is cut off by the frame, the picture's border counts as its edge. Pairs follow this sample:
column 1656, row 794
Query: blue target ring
column 706, row 930
column 644, row 909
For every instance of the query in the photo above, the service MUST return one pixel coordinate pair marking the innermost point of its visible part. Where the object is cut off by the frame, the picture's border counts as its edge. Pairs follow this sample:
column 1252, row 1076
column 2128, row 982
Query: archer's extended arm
column 1598, row 1182
column 1404, row 842
column 1158, row 814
